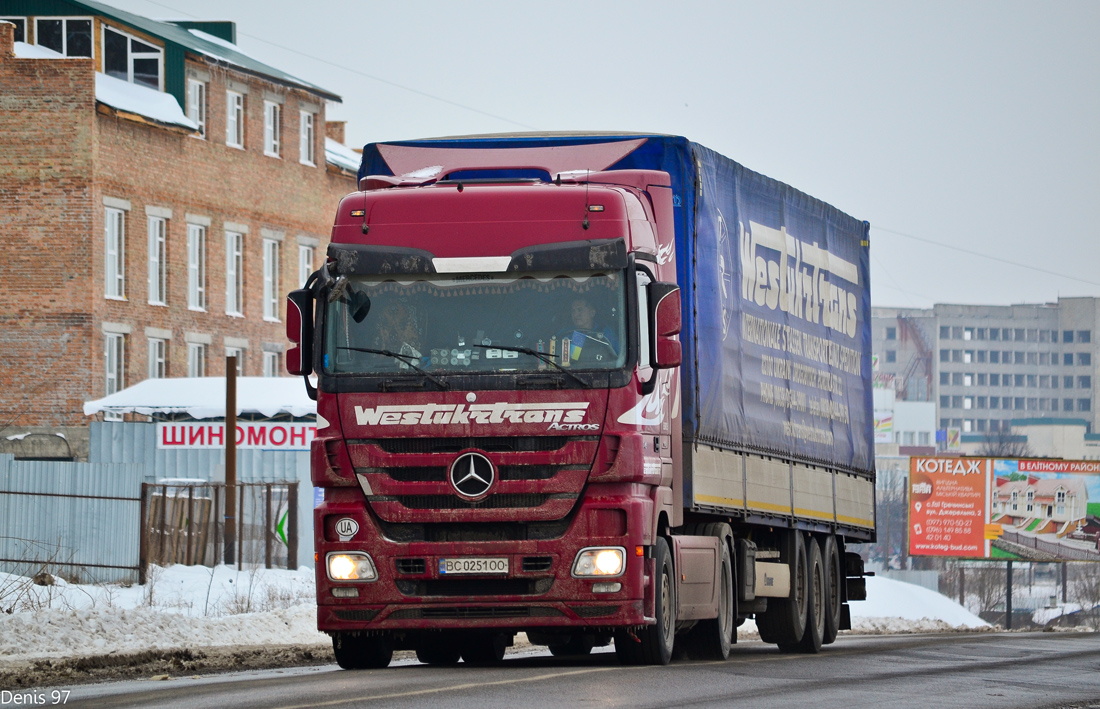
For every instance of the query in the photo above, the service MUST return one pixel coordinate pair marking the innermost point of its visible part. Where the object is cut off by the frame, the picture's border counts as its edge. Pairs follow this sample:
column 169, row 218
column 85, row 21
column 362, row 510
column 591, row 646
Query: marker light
column 600, row 561
column 351, row 566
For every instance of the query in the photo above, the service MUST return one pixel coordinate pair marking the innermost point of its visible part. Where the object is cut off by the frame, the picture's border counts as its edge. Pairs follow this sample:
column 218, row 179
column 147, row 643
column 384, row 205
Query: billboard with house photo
column 986, row 508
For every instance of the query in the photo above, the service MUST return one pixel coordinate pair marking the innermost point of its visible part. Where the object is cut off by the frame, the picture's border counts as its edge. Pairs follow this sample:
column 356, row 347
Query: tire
column 712, row 639
column 784, row 622
column 577, row 645
column 359, row 652
column 816, row 607
column 483, row 649
column 438, row 652
column 657, row 640
column 834, row 588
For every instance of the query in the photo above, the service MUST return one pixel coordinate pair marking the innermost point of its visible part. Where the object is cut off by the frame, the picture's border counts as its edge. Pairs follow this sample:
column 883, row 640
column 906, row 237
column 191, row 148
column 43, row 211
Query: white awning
column 204, row 397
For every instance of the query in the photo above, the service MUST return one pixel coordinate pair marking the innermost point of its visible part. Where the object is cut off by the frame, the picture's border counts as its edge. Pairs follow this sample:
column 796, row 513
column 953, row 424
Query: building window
column 981, row 402
column 234, row 273
column 994, row 333
column 158, row 368
column 1084, row 382
column 983, row 379
column 239, row 354
column 1067, row 336
column 271, row 280
column 891, row 333
column 1044, row 358
column 1067, row 382
column 945, row 402
column 272, row 113
column 71, row 36
column 130, row 59
column 234, row 119
column 158, row 261
column 1084, row 405
column 305, row 264
column 306, row 139
column 945, row 379
column 968, row 425
column 994, row 380
column 196, row 359
column 945, row 355
column 196, row 104
column 115, row 242
column 20, row 27
column 1031, row 381
column 1084, row 336
column 196, row 267
column 891, row 356
column 956, row 379
column 968, row 380
column 956, row 355
column 994, row 402
column 994, row 356
column 115, row 361
column 1084, row 359
column 271, row 364
column 1067, row 404
column 945, row 332
column 1018, row 380
column 1067, row 359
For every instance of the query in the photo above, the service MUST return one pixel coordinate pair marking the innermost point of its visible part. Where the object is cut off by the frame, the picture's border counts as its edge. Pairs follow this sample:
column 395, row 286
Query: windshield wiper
column 402, row 357
column 539, row 355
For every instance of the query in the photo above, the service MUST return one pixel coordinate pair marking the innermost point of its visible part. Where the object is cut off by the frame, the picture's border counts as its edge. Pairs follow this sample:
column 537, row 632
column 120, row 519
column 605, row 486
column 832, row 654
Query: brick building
column 159, row 192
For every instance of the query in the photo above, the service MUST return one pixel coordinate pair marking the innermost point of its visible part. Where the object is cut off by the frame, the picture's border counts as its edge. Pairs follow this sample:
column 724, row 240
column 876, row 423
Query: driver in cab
column 588, row 343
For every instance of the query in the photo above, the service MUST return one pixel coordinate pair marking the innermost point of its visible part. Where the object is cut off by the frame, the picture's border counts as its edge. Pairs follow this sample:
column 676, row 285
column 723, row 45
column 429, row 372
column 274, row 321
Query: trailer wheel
column 815, row 602
column 359, row 652
column 653, row 644
column 712, row 639
column 834, row 588
column 784, row 622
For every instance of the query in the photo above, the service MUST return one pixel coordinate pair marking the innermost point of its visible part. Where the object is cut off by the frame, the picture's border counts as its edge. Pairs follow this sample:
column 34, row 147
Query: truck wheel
column 484, row 649
column 438, row 652
column 712, row 639
column 575, row 646
column 834, row 587
column 784, row 622
column 816, row 606
column 657, row 640
column 359, row 652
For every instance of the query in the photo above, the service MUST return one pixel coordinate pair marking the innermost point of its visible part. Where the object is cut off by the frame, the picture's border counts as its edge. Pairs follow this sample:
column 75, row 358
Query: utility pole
column 230, row 460
column 1008, row 598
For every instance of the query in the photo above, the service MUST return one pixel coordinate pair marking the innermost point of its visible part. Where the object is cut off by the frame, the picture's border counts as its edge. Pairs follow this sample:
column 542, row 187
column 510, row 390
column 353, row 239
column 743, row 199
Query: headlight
column 351, row 567
column 600, row 561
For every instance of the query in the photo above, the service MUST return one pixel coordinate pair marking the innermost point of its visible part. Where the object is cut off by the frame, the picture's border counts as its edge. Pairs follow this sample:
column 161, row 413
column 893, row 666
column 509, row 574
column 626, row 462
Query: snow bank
column 194, row 606
column 896, row 606
column 141, row 100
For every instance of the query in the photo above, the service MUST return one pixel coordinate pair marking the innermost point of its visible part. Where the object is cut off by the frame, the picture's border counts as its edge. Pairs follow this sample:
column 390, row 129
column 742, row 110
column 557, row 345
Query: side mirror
column 664, row 299
column 299, row 330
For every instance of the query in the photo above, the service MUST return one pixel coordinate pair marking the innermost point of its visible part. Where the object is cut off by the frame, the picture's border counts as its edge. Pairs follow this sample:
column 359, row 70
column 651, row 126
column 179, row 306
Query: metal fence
column 76, row 520
column 184, row 523
column 1056, row 551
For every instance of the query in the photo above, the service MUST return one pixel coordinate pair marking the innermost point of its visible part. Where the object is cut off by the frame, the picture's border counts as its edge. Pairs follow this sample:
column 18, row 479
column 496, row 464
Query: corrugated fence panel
column 77, row 519
column 119, row 442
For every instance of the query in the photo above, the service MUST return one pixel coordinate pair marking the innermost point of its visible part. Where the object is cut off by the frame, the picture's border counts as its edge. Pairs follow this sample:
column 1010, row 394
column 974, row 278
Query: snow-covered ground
column 194, row 607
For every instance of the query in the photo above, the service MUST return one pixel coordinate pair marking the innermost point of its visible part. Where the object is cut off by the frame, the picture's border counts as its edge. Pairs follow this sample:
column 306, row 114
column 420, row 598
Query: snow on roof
column 141, row 100
column 204, row 397
column 341, row 155
column 33, row 51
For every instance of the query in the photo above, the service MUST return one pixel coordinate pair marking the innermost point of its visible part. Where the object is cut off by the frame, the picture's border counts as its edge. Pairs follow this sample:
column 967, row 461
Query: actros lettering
column 798, row 278
column 461, row 414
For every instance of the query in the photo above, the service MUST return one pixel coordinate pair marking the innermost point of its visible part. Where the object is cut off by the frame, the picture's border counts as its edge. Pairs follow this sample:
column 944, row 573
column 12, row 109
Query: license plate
column 473, row 565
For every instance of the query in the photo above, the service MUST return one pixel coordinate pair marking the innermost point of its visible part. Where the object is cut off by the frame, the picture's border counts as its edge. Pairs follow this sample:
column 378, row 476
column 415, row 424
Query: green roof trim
column 177, row 41
column 1049, row 421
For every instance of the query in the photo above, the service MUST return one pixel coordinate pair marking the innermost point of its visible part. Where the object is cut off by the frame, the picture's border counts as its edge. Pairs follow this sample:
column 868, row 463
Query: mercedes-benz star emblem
column 472, row 475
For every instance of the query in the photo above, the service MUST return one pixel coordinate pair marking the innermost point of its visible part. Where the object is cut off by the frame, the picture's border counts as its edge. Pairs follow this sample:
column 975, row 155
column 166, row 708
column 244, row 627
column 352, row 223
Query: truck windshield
column 467, row 323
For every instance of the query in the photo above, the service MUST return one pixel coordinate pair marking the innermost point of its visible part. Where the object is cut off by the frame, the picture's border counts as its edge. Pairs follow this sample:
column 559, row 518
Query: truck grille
column 476, row 612
column 473, row 531
column 474, row 587
column 363, row 616
column 410, row 566
column 439, row 473
column 537, row 563
column 498, row 444
column 492, row 502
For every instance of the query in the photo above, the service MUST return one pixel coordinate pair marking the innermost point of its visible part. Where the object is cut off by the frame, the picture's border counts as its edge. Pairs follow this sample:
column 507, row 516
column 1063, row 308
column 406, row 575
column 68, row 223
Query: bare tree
column 1003, row 444
column 1086, row 591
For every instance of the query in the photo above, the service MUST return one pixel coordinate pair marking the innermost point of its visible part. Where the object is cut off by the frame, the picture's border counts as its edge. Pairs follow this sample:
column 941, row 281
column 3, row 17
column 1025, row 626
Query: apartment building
column 160, row 191
column 985, row 366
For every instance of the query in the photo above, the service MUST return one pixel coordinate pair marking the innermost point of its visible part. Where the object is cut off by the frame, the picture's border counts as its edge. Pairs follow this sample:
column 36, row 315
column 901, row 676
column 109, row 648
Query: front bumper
column 538, row 592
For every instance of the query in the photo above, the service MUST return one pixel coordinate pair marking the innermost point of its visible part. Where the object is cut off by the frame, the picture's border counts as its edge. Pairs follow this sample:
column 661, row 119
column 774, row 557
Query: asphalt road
column 998, row 670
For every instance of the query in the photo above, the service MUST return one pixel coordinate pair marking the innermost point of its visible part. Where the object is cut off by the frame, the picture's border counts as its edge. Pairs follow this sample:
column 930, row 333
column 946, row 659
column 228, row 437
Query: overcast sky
column 974, row 125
